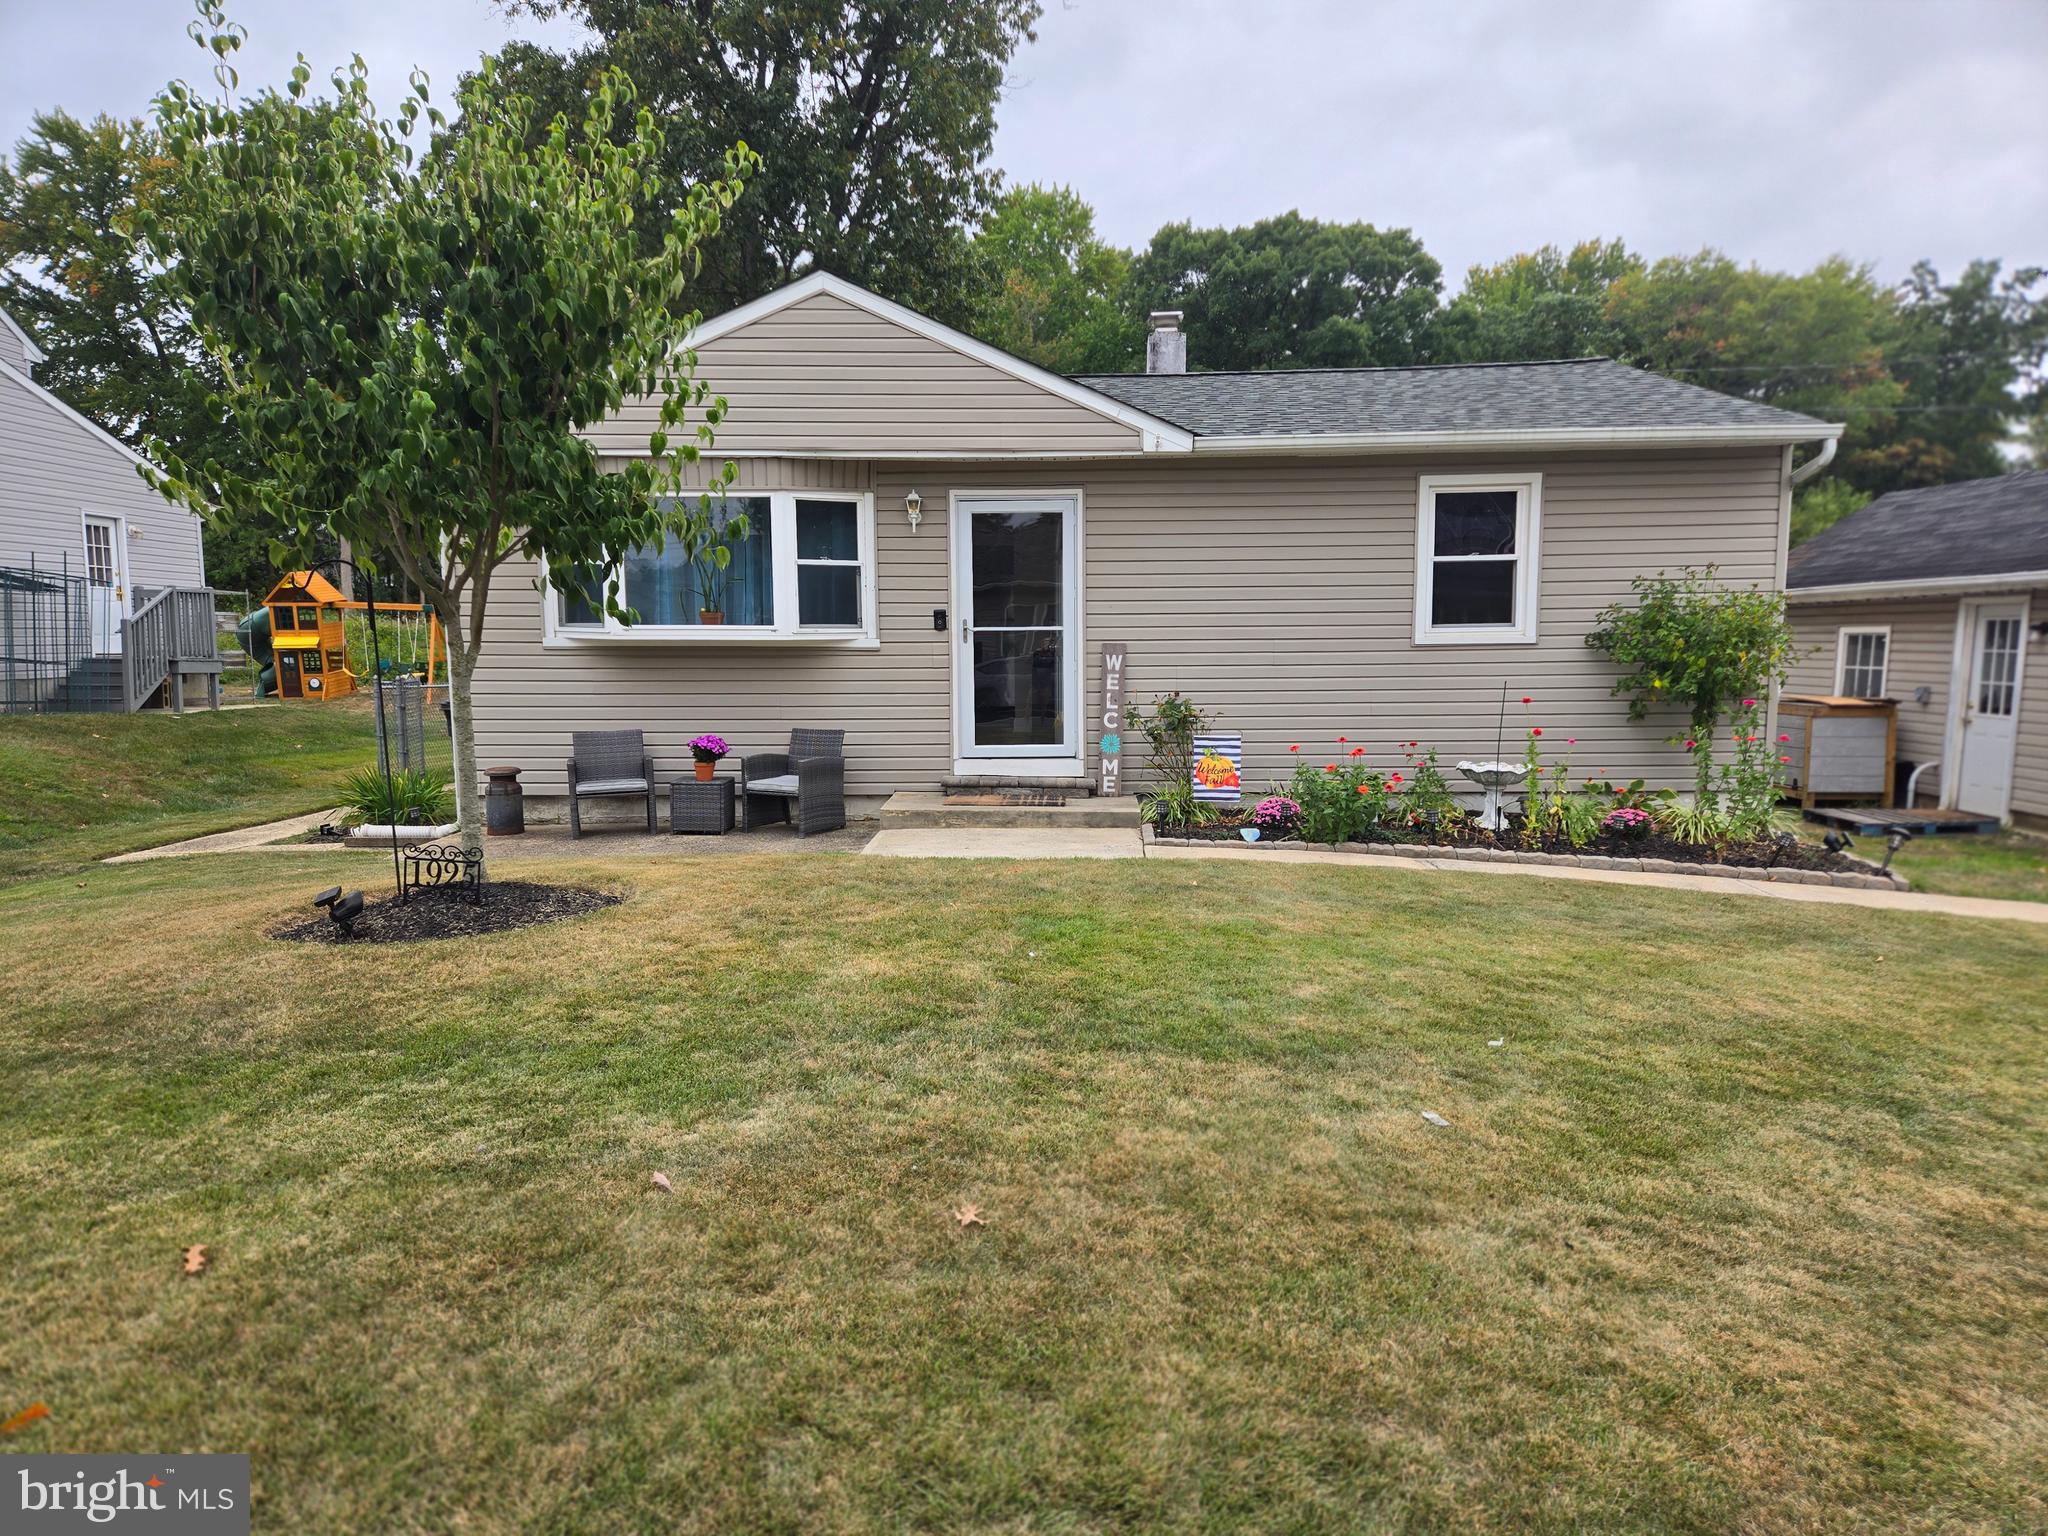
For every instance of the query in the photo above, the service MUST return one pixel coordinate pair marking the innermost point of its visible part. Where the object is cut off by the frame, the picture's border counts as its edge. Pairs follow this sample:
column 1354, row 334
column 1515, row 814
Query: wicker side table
column 700, row 805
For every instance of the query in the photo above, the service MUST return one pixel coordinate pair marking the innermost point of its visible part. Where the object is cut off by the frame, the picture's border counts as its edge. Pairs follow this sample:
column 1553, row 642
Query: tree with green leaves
column 411, row 348
column 1052, row 292
column 874, row 120
column 119, row 349
column 1544, row 303
column 1292, row 292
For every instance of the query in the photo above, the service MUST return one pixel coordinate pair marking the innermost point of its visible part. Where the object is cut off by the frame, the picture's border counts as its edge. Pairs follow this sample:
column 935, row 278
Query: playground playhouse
column 298, row 639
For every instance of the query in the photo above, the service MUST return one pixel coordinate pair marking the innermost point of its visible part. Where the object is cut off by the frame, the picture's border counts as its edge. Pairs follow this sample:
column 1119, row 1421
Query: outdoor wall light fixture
column 913, row 508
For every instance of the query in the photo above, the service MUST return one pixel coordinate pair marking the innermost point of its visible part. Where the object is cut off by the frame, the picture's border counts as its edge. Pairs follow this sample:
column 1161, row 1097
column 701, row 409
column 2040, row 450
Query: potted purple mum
column 707, row 750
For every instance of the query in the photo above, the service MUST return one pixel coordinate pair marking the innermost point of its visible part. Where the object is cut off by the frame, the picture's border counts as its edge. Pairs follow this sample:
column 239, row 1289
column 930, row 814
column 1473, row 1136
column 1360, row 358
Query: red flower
column 1295, row 748
column 1749, row 703
column 1358, row 751
column 1536, row 730
column 1329, row 767
column 1525, row 698
column 1395, row 779
column 1690, row 745
column 1783, row 739
column 1784, row 759
column 1343, row 738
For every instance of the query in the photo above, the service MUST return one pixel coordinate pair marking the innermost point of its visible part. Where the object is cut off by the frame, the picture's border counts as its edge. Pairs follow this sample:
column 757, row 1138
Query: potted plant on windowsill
column 707, row 539
column 707, row 750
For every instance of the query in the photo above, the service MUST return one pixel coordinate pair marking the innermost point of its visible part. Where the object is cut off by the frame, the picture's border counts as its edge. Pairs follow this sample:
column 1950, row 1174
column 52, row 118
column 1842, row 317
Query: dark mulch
column 442, row 913
column 1759, row 853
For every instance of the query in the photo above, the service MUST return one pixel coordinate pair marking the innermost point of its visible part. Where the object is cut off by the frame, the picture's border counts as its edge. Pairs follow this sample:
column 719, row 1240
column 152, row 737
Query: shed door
column 1991, row 709
column 288, row 684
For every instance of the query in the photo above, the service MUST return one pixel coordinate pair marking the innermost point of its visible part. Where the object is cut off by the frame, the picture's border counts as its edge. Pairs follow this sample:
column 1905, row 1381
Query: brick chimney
column 1166, row 344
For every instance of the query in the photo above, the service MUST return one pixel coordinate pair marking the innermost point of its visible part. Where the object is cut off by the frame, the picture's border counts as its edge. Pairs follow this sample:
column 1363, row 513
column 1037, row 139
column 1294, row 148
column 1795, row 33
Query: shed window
column 1861, row 656
column 806, row 565
column 1476, row 559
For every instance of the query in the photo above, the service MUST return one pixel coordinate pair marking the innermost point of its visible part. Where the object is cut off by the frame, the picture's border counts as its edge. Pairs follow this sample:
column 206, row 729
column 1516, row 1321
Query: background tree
column 121, row 350
column 874, row 120
column 1545, row 303
column 409, row 353
column 1051, row 291
column 1293, row 293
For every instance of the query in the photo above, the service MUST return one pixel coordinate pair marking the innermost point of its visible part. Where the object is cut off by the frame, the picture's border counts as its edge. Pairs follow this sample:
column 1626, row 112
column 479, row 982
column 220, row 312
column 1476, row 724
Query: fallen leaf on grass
column 1435, row 1119
column 969, row 1216
column 26, row 1417
column 196, row 1259
column 661, row 1182
column 1497, row 1044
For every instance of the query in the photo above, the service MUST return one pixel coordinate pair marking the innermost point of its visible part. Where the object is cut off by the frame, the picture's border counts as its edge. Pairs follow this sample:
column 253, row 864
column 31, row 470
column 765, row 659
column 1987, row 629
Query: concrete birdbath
column 1493, row 778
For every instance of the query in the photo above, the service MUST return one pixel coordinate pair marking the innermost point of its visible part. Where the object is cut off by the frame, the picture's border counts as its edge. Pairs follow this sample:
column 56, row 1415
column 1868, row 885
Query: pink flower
column 1358, row 751
column 1571, row 741
column 1783, row 739
column 1395, row 779
column 1295, row 748
column 1784, row 759
column 1749, row 703
column 1690, row 745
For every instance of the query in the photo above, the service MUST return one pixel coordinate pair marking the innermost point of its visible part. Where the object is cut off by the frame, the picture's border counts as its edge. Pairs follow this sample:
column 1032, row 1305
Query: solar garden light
column 1838, row 842
column 1899, row 838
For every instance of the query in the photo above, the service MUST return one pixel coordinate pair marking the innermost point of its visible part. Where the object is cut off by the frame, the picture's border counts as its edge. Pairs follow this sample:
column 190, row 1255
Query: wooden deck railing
column 172, row 631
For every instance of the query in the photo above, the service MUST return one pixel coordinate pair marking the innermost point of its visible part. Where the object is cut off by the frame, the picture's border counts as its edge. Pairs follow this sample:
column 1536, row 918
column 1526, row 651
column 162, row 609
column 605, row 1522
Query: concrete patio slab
column 1008, row 843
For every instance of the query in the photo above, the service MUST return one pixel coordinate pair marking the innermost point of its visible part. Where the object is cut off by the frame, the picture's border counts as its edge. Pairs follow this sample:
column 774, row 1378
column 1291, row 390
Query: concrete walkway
column 1007, row 843
column 240, row 840
column 1714, row 885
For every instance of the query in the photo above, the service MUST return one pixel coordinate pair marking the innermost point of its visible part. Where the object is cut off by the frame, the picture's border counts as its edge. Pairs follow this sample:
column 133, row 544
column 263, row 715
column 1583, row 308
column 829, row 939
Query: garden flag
column 1219, row 767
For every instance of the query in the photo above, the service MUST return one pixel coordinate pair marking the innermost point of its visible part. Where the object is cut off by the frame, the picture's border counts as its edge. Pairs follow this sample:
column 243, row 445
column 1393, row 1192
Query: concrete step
column 991, row 783
column 908, row 809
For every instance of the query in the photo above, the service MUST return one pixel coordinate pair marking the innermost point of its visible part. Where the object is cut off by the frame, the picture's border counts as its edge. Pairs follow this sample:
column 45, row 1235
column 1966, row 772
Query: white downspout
column 1817, row 463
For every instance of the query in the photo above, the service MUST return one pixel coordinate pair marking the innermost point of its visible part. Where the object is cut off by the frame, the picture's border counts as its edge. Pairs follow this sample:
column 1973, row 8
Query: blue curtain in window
column 664, row 589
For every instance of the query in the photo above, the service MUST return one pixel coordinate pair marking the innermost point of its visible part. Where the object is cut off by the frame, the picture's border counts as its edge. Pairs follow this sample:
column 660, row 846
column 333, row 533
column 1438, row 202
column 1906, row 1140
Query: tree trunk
column 469, row 807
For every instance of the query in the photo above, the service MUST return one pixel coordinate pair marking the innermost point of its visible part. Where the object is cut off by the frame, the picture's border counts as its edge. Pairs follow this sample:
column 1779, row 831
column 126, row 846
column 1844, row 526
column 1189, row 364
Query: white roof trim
column 35, row 353
column 1156, row 435
column 90, row 425
column 1927, row 586
column 1547, row 437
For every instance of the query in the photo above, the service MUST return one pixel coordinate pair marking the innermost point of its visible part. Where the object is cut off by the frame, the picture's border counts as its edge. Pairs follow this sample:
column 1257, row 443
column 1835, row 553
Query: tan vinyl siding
column 2030, row 751
column 1922, row 655
column 52, row 470
column 1278, row 594
column 822, row 378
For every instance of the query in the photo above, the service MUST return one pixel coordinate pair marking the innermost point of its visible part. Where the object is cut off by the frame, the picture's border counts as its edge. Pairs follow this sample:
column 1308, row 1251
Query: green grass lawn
column 1743, row 1227
column 2009, row 866
column 79, row 787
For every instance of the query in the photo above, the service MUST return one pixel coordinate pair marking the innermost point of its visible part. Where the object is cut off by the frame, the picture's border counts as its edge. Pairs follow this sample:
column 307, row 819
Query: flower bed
column 1783, row 857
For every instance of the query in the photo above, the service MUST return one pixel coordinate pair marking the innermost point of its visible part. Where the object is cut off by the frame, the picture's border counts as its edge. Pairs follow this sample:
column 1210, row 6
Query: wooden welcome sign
column 1112, row 720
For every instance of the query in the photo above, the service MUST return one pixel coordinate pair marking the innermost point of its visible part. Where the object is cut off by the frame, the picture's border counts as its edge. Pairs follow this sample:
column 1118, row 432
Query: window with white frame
column 1861, row 656
column 1476, row 546
column 806, row 569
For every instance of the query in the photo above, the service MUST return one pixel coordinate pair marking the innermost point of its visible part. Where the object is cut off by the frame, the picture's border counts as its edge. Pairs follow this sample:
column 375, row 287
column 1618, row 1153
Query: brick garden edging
column 1873, row 880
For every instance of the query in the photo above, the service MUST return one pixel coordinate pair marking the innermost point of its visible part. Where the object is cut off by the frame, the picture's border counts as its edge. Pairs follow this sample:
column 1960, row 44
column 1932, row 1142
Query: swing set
column 300, row 632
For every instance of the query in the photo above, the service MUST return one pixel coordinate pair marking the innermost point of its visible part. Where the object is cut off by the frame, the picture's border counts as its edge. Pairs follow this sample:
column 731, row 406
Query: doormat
column 1010, row 797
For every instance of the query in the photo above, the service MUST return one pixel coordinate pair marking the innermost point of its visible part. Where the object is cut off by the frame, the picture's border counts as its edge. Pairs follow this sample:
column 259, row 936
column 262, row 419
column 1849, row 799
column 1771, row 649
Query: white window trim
column 1842, row 658
column 1528, row 487
column 556, row 631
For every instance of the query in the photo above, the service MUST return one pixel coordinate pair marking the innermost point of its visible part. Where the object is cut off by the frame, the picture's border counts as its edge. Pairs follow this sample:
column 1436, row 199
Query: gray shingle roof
column 1576, row 395
column 1973, row 528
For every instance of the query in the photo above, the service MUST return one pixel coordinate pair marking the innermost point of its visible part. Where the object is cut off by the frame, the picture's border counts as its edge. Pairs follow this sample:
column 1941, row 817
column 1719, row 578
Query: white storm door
column 1991, row 709
column 106, row 582
column 1016, row 591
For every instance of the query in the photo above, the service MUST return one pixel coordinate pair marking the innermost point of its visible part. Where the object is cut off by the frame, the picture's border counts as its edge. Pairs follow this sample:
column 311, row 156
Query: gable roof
column 34, row 353
column 1970, row 533
column 1580, row 402
column 1157, row 434
column 1576, row 400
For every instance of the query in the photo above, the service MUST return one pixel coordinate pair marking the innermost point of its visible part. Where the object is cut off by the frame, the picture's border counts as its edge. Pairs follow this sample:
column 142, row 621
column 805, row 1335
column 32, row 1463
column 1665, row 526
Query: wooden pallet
column 1876, row 820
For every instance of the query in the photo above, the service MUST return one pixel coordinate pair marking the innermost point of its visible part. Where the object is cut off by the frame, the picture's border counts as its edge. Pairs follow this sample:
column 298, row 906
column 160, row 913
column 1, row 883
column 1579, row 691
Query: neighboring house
column 1938, row 598
column 1380, row 554
column 87, row 550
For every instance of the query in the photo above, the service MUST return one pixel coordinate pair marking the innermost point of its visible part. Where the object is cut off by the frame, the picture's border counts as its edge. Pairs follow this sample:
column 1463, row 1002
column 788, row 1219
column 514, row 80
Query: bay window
column 805, row 570
column 1476, row 559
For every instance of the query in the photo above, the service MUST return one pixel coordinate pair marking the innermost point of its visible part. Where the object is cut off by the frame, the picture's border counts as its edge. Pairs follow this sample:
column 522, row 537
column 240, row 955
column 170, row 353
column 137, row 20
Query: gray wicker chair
column 811, row 775
column 608, row 765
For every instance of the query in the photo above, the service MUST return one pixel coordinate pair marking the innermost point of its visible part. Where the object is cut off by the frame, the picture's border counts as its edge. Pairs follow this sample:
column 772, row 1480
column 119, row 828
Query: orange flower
column 1365, row 789
column 1329, row 767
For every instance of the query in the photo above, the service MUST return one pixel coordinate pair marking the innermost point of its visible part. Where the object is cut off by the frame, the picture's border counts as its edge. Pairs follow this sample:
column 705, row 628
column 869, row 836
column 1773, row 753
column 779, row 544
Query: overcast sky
column 1782, row 131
